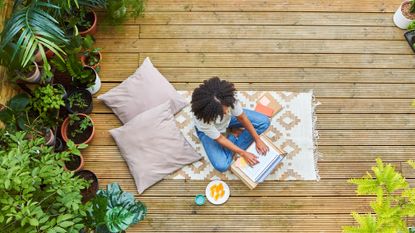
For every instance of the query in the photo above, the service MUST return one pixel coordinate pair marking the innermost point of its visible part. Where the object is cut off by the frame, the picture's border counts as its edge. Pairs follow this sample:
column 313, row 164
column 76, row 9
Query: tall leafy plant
column 30, row 28
column 36, row 193
column 114, row 210
column 395, row 201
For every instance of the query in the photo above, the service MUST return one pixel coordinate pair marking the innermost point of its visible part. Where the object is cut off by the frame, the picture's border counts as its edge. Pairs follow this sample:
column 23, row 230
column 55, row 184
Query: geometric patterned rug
column 292, row 129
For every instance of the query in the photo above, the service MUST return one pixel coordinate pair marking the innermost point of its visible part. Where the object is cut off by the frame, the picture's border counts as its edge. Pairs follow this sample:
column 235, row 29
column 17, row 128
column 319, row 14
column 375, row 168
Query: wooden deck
column 349, row 52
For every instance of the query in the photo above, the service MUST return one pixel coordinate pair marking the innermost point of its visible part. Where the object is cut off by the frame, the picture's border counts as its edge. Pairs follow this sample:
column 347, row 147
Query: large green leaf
column 30, row 28
column 19, row 102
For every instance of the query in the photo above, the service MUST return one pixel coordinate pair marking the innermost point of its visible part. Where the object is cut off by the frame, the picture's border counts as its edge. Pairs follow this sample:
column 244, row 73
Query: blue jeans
column 221, row 157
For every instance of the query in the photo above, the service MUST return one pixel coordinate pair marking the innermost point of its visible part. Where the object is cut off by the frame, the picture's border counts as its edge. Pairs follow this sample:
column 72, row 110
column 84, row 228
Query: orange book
column 267, row 105
column 269, row 112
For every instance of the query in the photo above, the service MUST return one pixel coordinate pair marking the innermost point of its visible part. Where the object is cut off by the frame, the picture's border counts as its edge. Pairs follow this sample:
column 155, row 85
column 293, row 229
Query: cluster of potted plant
column 48, row 49
column 404, row 18
column 39, row 195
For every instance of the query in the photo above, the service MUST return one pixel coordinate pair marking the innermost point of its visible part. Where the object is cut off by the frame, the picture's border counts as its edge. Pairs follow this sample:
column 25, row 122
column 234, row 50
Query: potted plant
column 394, row 203
column 14, row 114
column 79, row 128
column 410, row 35
column 75, row 162
column 119, row 11
column 79, row 101
column 38, row 31
column 30, row 73
column 46, row 102
column 113, row 210
column 36, row 192
column 89, row 192
column 82, row 76
column 92, row 58
column 405, row 14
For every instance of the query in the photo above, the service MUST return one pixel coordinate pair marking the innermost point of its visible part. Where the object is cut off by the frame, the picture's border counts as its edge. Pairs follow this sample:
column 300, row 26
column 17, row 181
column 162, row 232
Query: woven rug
column 292, row 129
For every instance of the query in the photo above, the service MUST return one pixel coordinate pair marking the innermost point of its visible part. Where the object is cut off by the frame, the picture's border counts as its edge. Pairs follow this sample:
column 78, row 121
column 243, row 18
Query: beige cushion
column 143, row 90
column 153, row 146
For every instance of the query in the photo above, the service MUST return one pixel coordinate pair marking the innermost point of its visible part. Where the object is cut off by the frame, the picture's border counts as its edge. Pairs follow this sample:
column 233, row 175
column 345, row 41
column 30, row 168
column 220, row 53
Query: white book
column 256, row 172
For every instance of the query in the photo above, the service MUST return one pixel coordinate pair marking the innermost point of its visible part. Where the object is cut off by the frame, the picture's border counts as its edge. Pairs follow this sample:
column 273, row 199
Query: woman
column 215, row 110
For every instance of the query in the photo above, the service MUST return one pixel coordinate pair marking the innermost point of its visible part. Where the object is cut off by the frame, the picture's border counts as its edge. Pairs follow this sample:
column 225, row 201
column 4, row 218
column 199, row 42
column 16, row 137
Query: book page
column 257, row 170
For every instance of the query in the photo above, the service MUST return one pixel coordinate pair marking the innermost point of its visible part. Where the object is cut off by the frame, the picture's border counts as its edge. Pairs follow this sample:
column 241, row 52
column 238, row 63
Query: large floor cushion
column 143, row 90
column 153, row 146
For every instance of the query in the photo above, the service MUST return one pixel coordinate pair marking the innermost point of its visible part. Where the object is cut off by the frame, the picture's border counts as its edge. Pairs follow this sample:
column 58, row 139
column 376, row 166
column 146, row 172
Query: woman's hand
column 250, row 158
column 261, row 147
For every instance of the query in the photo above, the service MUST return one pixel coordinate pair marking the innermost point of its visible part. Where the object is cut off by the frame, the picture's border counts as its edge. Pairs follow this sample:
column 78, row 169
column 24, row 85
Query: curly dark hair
column 210, row 97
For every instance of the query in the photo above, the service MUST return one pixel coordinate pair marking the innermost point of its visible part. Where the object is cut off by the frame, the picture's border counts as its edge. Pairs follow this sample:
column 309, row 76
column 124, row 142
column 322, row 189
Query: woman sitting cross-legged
column 215, row 110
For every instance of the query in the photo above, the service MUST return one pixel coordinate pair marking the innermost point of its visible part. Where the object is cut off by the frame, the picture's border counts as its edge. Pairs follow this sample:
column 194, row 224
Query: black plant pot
column 59, row 145
column 410, row 38
column 86, row 96
column 88, row 193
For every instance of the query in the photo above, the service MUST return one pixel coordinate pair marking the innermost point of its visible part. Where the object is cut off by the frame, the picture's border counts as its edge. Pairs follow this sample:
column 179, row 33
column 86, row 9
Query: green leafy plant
column 36, row 193
column 82, row 76
column 80, row 124
column 30, row 28
column 92, row 57
column 119, row 10
column 114, row 210
column 14, row 114
column 395, row 201
column 75, row 149
column 46, row 101
column 412, row 6
column 76, row 100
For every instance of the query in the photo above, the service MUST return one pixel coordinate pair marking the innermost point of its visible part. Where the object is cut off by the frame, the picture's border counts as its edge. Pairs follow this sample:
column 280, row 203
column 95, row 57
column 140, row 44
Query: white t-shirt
column 215, row 128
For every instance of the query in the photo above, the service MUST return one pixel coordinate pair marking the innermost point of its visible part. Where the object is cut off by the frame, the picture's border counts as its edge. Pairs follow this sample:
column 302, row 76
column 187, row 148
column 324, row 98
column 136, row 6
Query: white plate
column 221, row 200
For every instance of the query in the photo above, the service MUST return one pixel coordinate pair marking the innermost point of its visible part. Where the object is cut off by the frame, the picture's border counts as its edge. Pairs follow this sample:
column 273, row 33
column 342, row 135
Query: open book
column 267, row 163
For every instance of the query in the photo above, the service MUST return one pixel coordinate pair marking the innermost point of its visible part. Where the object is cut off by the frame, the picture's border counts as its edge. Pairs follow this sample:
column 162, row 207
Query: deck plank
column 254, row 46
column 275, row 5
column 271, row 32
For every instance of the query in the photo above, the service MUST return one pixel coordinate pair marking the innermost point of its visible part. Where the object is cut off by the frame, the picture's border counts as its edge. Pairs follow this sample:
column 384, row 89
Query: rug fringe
column 316, row 135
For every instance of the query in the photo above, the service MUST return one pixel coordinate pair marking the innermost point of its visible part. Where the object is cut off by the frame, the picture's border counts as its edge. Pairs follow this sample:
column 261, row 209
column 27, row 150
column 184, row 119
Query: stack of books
column 267, row 105
column 253, row 175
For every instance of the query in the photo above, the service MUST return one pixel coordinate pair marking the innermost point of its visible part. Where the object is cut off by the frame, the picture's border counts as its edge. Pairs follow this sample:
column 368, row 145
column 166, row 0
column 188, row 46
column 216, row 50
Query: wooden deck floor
column 348, row 52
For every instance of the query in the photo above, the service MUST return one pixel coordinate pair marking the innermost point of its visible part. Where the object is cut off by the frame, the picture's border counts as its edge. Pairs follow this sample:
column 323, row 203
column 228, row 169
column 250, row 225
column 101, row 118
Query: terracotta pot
column 93, row 29
column 35, row 76
column 65, row 126
column 81, row 164
column 83, row 61
column 49, row 55
column 399, row 18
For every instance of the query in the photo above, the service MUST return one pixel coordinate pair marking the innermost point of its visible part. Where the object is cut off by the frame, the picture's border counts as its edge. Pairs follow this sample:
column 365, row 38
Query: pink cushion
column 153, row 146
column 143, row 90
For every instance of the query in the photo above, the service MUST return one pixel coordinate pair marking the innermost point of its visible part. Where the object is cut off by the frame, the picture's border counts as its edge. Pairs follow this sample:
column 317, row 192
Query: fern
column 395, row 201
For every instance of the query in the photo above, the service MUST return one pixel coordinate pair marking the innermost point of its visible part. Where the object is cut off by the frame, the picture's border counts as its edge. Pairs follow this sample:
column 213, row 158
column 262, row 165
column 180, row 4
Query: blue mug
column 200, row 199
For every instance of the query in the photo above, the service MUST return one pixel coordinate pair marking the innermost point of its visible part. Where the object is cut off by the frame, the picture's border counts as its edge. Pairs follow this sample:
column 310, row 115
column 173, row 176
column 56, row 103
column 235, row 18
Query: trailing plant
column 81, row 124
column 114, row 210
column 119, row 10
column 14, row 114
column 36, row 193
column 46, row 102
column 395, row 201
